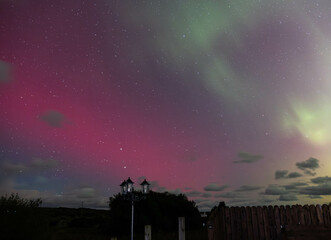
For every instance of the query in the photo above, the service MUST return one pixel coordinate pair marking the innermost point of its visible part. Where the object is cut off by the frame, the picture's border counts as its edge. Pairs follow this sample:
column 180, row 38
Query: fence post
column 181, row 228
column 148, row 232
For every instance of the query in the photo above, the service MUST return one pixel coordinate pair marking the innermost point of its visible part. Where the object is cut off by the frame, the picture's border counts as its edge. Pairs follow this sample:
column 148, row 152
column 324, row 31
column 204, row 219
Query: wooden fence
column 268, row 223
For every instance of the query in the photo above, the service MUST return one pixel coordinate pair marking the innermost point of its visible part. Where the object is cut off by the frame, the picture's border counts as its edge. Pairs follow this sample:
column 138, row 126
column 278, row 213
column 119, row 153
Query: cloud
column 309, row 166
column 288, row 197
column 13, row 168
column 70, row 198
column 246, row 188
column 5, row 72
column 41, row 180
column 320, row 180
column 315, row 196
column 280, row 174
column 294, row 175
column 283, row 174
column 85, row 192
column 264, row 201
column 207, row 204
column 244, row 157
column 54, row 118
column 193, row 194
column 215, row 187
column 38, row 163
column 227, row 195
column 294, row 186
column 206, row 195
column 275, row 190
column 322, row 189
column 175, row 191
column 200, row 200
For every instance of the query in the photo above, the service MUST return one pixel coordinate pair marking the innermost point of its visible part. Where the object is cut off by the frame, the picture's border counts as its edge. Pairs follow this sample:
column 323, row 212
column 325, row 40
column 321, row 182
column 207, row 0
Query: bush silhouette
column 161, row 210
column 19, row 218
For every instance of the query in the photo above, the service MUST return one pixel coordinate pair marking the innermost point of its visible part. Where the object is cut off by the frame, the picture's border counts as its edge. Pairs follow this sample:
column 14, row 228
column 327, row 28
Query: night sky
column 220, row 100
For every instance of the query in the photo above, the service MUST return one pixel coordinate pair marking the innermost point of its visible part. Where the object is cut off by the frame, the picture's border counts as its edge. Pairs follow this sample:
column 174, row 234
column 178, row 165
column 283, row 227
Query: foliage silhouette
column 19, row 218
column 161, row 210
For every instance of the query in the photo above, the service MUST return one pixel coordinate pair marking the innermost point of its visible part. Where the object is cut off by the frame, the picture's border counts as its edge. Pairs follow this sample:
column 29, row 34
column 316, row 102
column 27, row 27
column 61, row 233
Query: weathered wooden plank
column 233, row 223
column 312, row 211
column 307, row 214
column 249, row 224
column 301, row 215
column 326, row 214
column 288, row 215
column 255, row 224
column 282, row 213
column 243, row 217
column 277, row 222
column 260, row 222
column 271, row 222
column 216, row 224
column 211, row 222
column 295, row 220
column 227, row 223
column 308, row 232
column 238, row 223
column 222, row 230
column 319, row 214
column 266, row 223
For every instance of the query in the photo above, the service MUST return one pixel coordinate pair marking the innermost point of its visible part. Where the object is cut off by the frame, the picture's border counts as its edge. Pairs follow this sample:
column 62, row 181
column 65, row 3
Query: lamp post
column 127, row 191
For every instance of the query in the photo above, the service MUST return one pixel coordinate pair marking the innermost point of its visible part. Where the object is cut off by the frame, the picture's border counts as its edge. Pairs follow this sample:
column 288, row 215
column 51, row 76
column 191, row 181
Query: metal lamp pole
column 132, row 217
column 128, row 193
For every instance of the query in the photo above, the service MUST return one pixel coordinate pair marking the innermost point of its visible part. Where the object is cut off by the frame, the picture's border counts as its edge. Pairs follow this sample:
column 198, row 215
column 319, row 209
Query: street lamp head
column 129, row 185
column 145, row 187
column 124, row 187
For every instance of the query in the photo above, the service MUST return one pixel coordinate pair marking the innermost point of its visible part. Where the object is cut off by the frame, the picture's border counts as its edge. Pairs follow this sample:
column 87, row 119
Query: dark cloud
column 309, row 166
column 176, row 191
column 85, row 192
column 244, row 157
column 41, row 180
column 294, row 175
column 71, row 198
column 288, row 197
column 5, row 72
column 54, row 118
column 264, row 201
column 320, row 180
column 246, row 188
column 43, row 163
column 207, row 205
column 10, row 168
column 193, row 194
column 206, row 195
column 294, row 186
column 238, row 202
column 283, row 174
column 322, row 189
column 275, row 190
column 215, row 187
column 315, row 197
column 227, row 195
column 13, row 168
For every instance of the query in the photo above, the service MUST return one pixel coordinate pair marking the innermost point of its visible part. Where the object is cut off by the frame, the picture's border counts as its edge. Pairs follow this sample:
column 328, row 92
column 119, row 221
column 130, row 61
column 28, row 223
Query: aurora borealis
column 220, row 100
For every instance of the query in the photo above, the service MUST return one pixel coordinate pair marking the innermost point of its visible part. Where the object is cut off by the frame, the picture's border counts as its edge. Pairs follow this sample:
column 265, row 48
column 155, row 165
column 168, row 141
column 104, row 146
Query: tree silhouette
column 161, row 210
column 19, row 218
